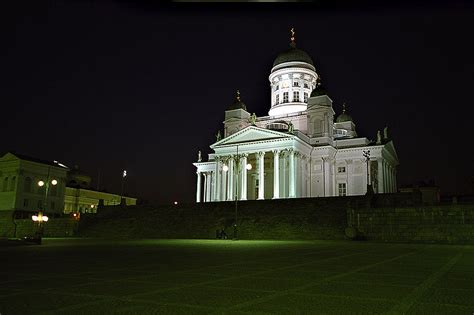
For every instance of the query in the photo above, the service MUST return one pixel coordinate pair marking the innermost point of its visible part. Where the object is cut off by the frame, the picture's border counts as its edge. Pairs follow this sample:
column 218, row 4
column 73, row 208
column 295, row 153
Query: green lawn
column 87, row 276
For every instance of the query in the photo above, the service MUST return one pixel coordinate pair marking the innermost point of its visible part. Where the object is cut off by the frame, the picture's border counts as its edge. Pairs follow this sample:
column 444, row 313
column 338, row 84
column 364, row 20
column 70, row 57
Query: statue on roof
column 291, row 127
column 199, row 156
column 218, row 135
column 385, row 133
column 253, row 119
column 379, row 137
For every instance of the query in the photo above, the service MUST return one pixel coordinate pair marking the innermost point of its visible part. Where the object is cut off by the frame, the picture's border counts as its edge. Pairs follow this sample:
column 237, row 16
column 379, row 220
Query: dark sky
column 114, row 85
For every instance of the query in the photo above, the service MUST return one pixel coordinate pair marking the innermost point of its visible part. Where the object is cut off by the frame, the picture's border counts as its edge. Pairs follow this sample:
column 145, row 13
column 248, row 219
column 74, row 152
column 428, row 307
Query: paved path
column 87, row 276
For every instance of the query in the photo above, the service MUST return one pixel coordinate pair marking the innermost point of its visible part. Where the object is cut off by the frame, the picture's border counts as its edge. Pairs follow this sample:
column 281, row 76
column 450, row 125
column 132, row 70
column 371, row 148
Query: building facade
column 29, row 184
column 299, row 150
column 21, row 189
column 81, row 198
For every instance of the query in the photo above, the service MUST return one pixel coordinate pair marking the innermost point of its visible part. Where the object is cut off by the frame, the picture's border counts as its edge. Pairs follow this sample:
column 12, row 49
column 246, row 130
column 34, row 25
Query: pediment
column 251, row 134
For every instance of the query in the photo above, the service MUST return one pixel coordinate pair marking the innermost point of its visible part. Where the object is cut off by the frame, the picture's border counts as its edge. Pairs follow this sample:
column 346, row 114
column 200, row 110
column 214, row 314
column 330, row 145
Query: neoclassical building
column 299, row 150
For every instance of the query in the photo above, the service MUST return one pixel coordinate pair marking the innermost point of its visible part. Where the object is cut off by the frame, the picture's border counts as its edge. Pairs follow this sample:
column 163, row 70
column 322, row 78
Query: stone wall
column 315, row 218
column 440, row 223
column 400, row 217
column 12, row 227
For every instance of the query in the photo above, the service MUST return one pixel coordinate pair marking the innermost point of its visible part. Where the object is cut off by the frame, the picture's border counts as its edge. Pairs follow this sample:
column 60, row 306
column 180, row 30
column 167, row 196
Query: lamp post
column 366, row 154
column 237, row 170
column 41, row 218
column 124, row 174
column 237, row 166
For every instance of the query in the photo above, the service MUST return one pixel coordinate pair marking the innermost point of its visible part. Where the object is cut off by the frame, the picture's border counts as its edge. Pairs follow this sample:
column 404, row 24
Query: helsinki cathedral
column 301, row 149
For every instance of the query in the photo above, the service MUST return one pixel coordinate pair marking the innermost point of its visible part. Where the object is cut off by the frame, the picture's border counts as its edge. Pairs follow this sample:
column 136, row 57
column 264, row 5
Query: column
column 205, row 186
column 223, row 195
column 230, row 186
column 394, row 178
column 327, row 181
column 261, row 178
column 198, row 187
column 209, row 187
column 309, row 179
column 243, row 167
column 302, row 176
column 292, row 180
column 350, row 172
column 217, row 188
column 276, row 177
column 380, row 171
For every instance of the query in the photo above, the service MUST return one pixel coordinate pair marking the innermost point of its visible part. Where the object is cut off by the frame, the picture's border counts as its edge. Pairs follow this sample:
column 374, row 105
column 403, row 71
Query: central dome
column 293, row 54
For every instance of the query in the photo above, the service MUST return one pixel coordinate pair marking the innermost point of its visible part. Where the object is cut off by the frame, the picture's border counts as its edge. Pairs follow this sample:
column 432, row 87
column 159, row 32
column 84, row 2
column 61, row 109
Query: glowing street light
column 40, row 218
column 366, row 155
column 248, row 166
column 225, row 168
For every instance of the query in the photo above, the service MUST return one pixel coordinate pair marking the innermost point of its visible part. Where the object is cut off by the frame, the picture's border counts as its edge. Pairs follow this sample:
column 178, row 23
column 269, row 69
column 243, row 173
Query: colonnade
column 228, row 180
column 386, row 177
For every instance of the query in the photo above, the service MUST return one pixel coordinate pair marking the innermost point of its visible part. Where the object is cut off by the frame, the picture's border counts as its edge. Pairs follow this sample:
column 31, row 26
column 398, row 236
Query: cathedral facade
column 301, row 149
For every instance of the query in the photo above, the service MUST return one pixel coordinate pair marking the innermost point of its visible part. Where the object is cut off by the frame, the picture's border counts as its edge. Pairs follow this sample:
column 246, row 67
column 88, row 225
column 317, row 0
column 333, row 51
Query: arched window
column 27, row 185
column 5, row 184
column 12, row 183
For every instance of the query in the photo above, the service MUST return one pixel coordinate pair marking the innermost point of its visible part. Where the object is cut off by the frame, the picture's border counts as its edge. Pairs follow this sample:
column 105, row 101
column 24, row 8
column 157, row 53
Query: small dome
column 237, row 104
column 78, row 179
column 319, row 90
column 344, row 116
column 293, row 54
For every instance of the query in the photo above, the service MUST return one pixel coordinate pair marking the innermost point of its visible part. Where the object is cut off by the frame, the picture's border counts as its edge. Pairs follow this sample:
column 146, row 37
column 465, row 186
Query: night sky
column 118, row 85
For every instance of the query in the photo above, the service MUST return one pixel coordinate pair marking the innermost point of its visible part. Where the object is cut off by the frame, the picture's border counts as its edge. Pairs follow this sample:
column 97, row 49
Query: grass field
column 87, row 276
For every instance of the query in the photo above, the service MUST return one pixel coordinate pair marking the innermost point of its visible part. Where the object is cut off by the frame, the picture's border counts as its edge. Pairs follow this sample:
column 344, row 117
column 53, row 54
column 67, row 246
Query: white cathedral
column 299, row 150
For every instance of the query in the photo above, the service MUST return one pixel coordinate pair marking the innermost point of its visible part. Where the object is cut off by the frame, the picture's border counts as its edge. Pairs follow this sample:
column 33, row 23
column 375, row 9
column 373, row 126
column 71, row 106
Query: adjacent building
column 28, row 184
column 301, row 149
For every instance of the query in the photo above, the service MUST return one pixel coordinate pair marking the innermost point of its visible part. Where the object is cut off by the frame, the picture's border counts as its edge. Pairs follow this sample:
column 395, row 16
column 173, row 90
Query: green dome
column 293, row 54
column 344, row 116
column 319, row 90
column 237, row 104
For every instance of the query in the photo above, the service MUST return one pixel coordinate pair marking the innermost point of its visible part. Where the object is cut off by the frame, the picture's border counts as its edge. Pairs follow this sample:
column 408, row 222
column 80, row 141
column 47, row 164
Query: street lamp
column 225, row 168
column 124, row 174
column 366, row 154
column 41, row 218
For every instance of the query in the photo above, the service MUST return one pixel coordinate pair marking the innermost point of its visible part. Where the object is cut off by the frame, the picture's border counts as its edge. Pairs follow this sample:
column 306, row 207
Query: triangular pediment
column 251, row 134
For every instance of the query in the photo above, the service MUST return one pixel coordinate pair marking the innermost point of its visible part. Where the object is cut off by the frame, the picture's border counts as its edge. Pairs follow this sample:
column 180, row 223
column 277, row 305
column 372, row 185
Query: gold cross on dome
column 292, row 34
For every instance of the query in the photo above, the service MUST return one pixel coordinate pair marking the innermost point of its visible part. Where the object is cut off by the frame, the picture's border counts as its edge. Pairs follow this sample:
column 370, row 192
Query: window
column 285, row 97
column 342, row 189
column 5, row 184
column 12, row 183
column 306, row 86
column 41, row 189
column 277, row 99
column 296, row 96
column 341, row 169
column 25, row 203
column 277, row 87
column 305, row 95
column 296, row 83
column 27, row 185
column 54, row 190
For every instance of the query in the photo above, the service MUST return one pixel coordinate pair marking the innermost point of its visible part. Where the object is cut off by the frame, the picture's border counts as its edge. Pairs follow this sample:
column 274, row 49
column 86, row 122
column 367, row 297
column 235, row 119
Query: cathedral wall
column 389, row 217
